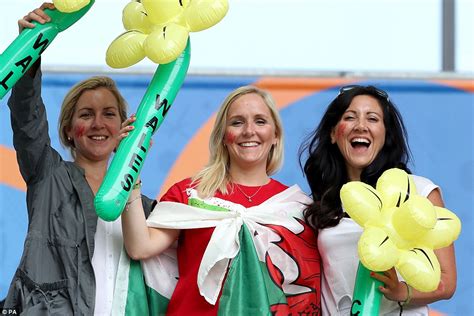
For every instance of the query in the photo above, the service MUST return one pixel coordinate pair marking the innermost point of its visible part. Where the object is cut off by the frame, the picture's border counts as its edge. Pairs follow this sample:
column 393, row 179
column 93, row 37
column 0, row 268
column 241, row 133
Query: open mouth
column 249, row 144
column 98, row 138
column 360, row 142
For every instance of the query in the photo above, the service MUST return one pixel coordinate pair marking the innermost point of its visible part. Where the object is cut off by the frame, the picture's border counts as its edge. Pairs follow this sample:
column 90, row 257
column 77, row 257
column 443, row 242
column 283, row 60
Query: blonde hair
column 215, row 175
column 70, row 101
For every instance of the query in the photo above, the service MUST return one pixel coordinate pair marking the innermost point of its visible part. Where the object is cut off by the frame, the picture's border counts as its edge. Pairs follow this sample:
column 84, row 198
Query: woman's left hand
column 393, row 289
column 37, row 15
column 126, row 127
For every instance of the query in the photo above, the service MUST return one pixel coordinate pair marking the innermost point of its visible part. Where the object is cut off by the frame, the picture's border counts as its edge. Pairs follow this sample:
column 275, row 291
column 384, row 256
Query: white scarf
column 282, row 209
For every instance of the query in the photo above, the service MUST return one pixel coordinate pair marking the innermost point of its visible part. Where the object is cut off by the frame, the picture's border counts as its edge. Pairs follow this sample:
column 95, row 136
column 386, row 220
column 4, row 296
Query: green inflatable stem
column 22, row 53
column 128, row 161
column 367, row 297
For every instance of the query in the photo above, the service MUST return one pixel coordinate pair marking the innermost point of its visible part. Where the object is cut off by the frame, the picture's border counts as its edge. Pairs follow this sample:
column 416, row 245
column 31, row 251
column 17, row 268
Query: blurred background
column 419, row 51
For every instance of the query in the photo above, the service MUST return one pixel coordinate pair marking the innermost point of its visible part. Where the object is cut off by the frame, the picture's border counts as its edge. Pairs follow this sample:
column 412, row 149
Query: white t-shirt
column 108, row 246
column 338, row 248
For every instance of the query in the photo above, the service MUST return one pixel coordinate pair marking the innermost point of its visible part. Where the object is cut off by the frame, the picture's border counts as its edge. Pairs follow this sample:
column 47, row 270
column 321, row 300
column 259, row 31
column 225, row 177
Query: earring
column 69, row 138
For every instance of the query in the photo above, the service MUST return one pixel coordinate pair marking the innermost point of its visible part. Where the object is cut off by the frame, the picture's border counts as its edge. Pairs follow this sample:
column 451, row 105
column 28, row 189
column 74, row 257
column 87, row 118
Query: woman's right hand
column 37, row 15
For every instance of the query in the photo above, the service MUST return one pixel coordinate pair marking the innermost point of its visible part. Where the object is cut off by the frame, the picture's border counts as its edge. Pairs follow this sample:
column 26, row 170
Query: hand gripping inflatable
column 31, row 43
column 366, row 297
column 158, row 29
column 401, row 230
column 132, row 151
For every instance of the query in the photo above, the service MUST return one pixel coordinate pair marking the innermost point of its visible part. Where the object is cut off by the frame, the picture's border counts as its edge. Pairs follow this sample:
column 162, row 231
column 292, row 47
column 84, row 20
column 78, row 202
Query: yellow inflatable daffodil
column 159, row 29
column 68, row 6
column 401, row 228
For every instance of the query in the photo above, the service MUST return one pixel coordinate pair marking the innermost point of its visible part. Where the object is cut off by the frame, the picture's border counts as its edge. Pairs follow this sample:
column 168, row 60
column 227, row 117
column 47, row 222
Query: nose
column 361, row 125
column 98, row 122
column 249, row 129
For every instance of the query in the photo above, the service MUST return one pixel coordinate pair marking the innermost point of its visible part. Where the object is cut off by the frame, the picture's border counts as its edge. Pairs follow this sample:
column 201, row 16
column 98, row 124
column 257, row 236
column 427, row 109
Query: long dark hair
column 325, row 168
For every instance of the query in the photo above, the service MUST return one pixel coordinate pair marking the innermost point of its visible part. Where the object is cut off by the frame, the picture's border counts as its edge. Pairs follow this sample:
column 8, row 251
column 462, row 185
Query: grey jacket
column 55, row 275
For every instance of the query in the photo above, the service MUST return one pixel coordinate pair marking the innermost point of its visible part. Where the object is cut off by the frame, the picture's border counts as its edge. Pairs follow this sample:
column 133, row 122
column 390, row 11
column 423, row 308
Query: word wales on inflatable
column 31, row 43
column 159, row 30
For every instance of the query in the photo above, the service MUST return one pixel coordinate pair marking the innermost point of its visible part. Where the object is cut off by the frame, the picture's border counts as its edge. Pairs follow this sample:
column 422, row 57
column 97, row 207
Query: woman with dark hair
column 360, row 136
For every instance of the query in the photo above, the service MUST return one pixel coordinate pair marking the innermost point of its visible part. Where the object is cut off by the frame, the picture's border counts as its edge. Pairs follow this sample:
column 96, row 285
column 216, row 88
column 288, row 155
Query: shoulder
column 277, row 185
column 185, row 183
column 424, row 186
column 177, row 192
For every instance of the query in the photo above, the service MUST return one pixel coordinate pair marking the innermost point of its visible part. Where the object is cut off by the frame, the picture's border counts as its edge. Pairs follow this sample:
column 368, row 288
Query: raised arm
column 141, row 241
column 28, row 115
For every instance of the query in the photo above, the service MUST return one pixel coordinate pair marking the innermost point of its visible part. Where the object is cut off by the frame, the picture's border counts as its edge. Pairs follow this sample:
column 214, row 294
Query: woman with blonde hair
column 243, row 247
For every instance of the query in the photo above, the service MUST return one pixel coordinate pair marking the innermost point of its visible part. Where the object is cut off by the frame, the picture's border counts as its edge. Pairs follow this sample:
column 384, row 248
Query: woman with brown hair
column 69, row 259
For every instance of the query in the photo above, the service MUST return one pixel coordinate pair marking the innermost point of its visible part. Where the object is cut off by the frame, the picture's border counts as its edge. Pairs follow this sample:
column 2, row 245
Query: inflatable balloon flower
column 69, row 6
column 159, row 29
column 401, row 228
column 22, row 53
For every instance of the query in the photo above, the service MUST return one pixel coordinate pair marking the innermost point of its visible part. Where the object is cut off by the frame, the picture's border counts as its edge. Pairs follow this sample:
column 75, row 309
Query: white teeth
column 249, row 144
column 361, row 140
column 98, row 137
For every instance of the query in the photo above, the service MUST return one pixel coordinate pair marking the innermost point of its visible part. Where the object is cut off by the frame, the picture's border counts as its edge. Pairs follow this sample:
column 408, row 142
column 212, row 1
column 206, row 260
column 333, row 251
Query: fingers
column 380, row 276
column 393, row 289
column 47, row 5
column 129, row 120
column 124, row 132
column 37, row 15
column 126, row 127
column 387, row 277
column 25, row 23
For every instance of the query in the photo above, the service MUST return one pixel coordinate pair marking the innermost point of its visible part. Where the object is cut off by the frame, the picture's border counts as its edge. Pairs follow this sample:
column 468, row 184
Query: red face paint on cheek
column 340, row 130
column 79, row 131
column 229, row 138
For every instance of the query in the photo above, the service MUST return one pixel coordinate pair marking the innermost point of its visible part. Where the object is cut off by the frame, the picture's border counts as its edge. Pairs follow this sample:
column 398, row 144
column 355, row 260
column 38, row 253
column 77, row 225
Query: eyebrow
column 258, row 115
column 234, row 117
column 370, row 112
column 106, row 108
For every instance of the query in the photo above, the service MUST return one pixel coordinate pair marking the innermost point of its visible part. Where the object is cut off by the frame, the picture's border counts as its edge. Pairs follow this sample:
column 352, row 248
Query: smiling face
column 250, row 133
column 95, row 125
column 360, row 134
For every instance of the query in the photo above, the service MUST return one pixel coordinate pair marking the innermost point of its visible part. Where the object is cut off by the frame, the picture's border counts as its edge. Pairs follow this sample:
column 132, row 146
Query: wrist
column 132, row 200
column 409, row 294
column 137, row 185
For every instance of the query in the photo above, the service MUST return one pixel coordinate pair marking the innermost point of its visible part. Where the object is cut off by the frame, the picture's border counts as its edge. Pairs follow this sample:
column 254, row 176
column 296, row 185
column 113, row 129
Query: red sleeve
column 177, row 192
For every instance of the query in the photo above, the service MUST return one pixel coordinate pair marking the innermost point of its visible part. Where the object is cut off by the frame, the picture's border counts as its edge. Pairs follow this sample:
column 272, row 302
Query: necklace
column 249, row 197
